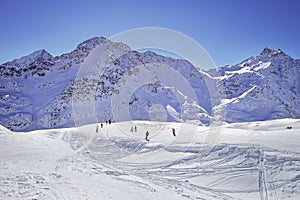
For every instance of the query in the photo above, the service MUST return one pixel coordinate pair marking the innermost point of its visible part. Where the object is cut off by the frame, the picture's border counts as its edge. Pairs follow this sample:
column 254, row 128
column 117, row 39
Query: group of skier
column 133, row 128
column 101, row 125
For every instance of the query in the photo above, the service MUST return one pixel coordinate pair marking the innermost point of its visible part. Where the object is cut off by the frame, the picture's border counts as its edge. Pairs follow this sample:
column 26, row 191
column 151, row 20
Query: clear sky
column 230, row 30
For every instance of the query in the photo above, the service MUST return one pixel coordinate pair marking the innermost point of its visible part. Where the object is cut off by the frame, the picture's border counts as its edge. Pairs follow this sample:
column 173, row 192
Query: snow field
column 258, row 160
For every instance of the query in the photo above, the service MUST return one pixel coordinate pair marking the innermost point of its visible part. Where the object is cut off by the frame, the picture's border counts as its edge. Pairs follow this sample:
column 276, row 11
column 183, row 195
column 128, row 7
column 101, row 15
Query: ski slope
column 256, row 160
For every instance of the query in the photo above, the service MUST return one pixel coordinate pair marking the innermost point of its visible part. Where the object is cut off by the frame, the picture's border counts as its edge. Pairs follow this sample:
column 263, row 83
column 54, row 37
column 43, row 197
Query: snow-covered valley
column 252, row 160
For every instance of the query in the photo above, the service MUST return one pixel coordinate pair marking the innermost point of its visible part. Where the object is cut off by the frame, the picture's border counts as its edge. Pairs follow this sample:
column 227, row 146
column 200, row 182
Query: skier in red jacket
column 173, row 131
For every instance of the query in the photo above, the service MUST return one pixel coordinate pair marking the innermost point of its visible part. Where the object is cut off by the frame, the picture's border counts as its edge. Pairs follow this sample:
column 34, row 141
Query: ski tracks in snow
column 229, row 171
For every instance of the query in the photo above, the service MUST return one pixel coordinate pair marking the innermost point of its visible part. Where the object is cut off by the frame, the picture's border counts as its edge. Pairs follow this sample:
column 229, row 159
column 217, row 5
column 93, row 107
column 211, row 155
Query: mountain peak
column 272, row 52
column 36, row 56
column 266, row 51
column 42, row 53
column 91, row 42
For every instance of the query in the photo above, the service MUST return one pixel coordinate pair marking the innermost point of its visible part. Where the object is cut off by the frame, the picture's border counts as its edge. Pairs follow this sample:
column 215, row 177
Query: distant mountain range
column 37, row 91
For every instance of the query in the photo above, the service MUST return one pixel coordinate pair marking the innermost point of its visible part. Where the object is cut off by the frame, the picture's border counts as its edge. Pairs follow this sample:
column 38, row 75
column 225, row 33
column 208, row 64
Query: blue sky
column 230, row 30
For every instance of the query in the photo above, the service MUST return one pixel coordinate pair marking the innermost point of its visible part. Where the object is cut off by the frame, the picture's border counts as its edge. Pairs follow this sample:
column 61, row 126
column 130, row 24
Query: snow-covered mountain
column 37, row 91
column 262, row 88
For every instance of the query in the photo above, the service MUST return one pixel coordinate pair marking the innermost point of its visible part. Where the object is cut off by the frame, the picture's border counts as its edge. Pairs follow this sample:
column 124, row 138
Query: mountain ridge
column 36, row 90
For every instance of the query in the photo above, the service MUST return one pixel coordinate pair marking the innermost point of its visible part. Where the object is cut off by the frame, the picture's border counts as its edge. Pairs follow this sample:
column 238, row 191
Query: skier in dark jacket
column 147, row 135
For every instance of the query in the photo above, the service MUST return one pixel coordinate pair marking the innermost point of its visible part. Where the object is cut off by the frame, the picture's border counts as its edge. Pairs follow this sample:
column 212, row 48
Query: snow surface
column 252, row 160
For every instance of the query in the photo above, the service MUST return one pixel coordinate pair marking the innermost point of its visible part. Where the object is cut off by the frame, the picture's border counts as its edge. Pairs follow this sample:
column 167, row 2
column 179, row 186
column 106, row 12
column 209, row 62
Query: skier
column 101, row 125
column 109, row 121
column 97, row 129
column 147, row 134
column 135, row 129
column 173, row 131
column 131, row 130
column 106, row 122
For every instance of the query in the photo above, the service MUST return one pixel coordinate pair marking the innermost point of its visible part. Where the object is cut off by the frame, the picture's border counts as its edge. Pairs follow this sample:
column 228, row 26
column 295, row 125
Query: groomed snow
column 257, row 160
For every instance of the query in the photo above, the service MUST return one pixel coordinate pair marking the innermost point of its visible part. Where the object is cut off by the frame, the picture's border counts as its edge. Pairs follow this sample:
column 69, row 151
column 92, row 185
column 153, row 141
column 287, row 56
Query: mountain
column 262, row 88
column 40, row 91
